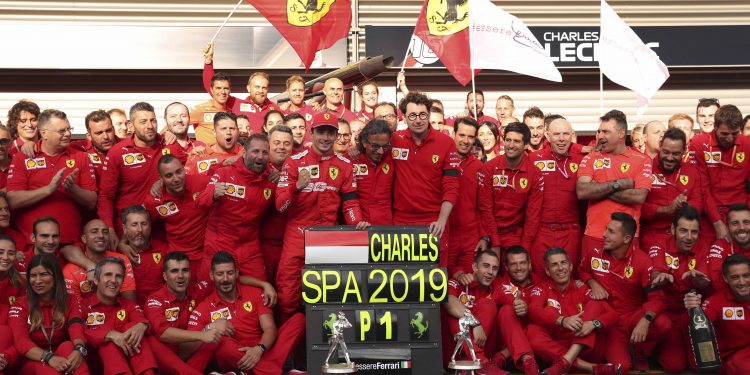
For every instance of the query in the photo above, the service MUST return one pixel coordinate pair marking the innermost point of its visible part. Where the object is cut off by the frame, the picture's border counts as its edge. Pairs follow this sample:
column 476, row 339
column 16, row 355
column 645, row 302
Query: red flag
column 444, row 26
column 308, row 25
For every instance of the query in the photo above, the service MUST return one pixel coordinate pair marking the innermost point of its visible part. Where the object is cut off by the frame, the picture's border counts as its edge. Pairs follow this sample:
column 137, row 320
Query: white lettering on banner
column 575, row 52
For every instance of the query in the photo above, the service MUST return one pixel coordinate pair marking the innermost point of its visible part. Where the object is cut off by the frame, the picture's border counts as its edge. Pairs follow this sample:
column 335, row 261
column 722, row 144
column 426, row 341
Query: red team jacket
column 375, row 189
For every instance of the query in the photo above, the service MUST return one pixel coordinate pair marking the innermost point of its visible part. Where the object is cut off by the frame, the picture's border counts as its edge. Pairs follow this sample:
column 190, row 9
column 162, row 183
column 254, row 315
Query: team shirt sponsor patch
column 203, row 165
column 400, row 153
column 733, row 313
column 36, row 163
column 361, row 170
column 172, row 314
column 466, row 299
column 94, row 158
column 167, row 209
column 246, row 107
column 95, row 319
column 712, row 157
column 545, row 165
column 313, row 170
column 221, row 313
column 500, row 180
column 235, row 190
column 554, row 303
column 672, row 262
column 603, row 163
column 598, row 264
column 209, row 116
column 133, row 158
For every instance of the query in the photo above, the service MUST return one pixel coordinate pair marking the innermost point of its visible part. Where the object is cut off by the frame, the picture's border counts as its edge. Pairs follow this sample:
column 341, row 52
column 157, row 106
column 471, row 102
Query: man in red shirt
column 534, row 119
column 471, row 97
column 130, row 169
column 147, row 253
column 100, row 137
column 222, row 152
column 675, row 271
column 180, row 350
column 510, row 197
column 58, row 181
column 116, row 326
column 721, row 158
column 5, row 157
column 374, row 171
column 387, row 112
column 464, row 219
column 177, row 117
column 559, row 213
column 674, row 184
column 256, row 344
column 621, row 274
column 300, row 134
column 314, row 186
column 334, row 102
column 295, row 89
column 727, row 311
column 177, row 207
column 45, row 238
column 613, row 179
column 426, row 181
column 22, row 242
column 738, row 222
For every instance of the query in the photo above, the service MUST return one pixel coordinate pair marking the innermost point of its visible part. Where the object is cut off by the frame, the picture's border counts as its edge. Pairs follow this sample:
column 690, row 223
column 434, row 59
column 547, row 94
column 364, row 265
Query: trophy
column 465, row 324
column 336, row 340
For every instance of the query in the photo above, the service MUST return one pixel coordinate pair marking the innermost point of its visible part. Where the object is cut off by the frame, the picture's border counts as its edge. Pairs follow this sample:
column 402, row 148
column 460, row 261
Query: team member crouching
column 116, row 326
column 726, row 310
column 47, row 324
column 11, row 288
column 256, row 344
column 180, row 351
column 147, row 252
column 565, row 321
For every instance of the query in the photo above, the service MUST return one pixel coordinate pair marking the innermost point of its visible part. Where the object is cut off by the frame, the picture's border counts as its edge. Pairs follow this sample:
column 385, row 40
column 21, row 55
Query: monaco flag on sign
column 308, row 25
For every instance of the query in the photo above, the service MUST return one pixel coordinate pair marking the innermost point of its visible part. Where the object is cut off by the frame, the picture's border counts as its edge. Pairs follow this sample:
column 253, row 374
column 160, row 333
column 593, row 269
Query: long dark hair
column 60, row 295
column 14, row 277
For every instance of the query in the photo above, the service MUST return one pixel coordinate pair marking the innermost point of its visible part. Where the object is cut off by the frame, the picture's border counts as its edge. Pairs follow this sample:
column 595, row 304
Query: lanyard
column 512, row 184
column 623, row 277
column 563, row 169
column 662, row 179
column 721, row 159
column 51, row 335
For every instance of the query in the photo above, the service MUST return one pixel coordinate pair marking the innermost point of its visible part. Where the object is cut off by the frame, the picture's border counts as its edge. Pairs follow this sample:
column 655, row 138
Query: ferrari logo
column 248, row 306
column 523, row 182
column 196, row 195
column 435, row 159
column 574, row 167
column 386, row 168
column 121, row 315
column 628, row 271
column 447, row 17
column 307, row 13
column 70, row 163
column 740, row 157
column 165, row 151
column 192, row 305
column 333, row 172
column 157, row 257
column 579, row 307
column 12, row 300
column 266, row 193
column 624, row 167
column 684, row 179
column 691, row 264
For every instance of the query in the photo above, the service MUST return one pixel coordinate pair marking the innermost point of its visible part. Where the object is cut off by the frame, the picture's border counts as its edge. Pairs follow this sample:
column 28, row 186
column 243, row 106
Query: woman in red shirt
column 11, row 287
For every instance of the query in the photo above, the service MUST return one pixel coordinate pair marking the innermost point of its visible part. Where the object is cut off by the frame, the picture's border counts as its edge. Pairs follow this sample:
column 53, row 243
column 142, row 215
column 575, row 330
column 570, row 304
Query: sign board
column 388, row 283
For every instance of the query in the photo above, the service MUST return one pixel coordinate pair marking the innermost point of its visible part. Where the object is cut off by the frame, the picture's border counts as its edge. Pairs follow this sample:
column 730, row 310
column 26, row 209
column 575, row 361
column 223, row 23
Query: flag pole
column 225, row 21
column 403, row 64
column 601, row 93
column 471, row 66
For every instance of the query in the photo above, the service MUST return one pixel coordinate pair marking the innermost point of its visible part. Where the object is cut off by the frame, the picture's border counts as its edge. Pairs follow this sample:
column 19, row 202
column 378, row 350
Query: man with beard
column 534, row 119
column 738, row 222
column 559, row 214
column 116, row 327
column 613, row 178
column 726, row 310
column 473, row 97
column 721, row 159
column 130, row 169
column 621, row 274
column 653, row 132
column 426, row 163
column 177, row 207
column 566, row 323
column 373, row 171
column 224, row 150
column 256, row 343
column 510, row 196
column 387, row 112
column 4, row 156
column 58, row 181
column 295, row 89
column 100, row 137
column 95, row 240
column 464, row 219
column 676, row 271
column 334, row 102
column 314, row 186
column 181, row 351
column 148, row 253
column 674, row 184
column 177, row 117
column 243, row 125
column 296, row 123
column 705, row 113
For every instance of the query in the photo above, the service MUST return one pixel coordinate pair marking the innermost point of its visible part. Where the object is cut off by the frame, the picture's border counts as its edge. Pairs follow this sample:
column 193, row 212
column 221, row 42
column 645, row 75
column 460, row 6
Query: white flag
column 499, row 40
column 625, row 60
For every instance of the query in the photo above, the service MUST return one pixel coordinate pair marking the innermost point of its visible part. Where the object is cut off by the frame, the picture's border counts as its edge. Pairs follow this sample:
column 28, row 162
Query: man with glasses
column 721, row 157
column 705, row 113
column 4, row 157
column 386, row 111
column 373, row 171
column 343, row 138
column 426, row 185
column 58, row 181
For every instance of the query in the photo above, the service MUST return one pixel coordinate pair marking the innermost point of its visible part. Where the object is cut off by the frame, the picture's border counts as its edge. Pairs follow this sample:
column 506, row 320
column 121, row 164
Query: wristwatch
column 597, row 324
column 262, row 347
column 486, row 239
column 81, row 349
column 616, row 185
column 649, row 318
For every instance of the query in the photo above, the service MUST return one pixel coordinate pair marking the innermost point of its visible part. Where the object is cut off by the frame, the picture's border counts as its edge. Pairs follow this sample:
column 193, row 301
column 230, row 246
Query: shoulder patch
column 300, row 155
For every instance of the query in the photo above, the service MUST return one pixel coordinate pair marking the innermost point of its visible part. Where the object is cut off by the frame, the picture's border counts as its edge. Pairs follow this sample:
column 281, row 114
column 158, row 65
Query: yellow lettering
column 364, row 324
column 396, row 251
column 352, row 287
column 423, row 245
column 407, row 247
column 326, row 287
column 434, row 244
column 373, row 254
column 311, row 285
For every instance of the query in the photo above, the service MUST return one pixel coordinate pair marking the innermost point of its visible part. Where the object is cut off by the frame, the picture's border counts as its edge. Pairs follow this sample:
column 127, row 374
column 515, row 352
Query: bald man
column 334, row 92
column 653, row 131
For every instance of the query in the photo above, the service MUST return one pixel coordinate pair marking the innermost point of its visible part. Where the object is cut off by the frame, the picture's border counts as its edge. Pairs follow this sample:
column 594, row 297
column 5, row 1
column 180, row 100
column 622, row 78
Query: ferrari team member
column 387, row 112
column 504, row 108
column 334, row 102
column 202, row 115
column 176, row 205
column 120, row 122
column 566, row 324
column 47, row 324
column 116, row 326
column 510, row 197
column 5, row 158
column 295, row 89
column 705, row 114
column 95, row 241
column 45, row 239
column 300, row 134
column 683, row 122
column 426, row 182
column 471, row 97
column 11, row 288
column 223, row 151
column 676, row 270
column 237, row 197
column 534, row 119
column 720, row 156
column 100, row 137
column 613, row 178
column 57, row 181
column 22, row 122
column 148, row 252
column 177, row 118
column 180, row 351
column 559, row 215
column 314, row 185
column 374, row 173
column 621, row 274
column 464, row 219
column 130, row 169
column 273, row 223
column 22, row 242
column 738, row 222
column 674, row 184
column 256, row 344
column 726, row 310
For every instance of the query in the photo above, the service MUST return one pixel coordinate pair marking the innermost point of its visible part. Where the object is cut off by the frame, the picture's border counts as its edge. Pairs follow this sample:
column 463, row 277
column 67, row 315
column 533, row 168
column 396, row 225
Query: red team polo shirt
column 77, row 283
column 101, row 318
column 669, row 260
column 19, row 321
column 731, row 323
column 464, row 219
column 720, row 250
column 375, row 188
column 208, row 163
column 149, row 267
column 244, row 314
column 664, row 189
column 182, row 153
column 559, row 175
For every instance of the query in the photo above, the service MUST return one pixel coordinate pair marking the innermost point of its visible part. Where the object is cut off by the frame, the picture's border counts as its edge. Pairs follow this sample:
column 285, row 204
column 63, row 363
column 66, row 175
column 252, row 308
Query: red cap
column 325, row 119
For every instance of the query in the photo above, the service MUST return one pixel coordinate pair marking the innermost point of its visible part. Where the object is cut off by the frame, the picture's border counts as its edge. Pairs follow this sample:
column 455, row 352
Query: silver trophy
column 336, row 340
column 465, row 324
